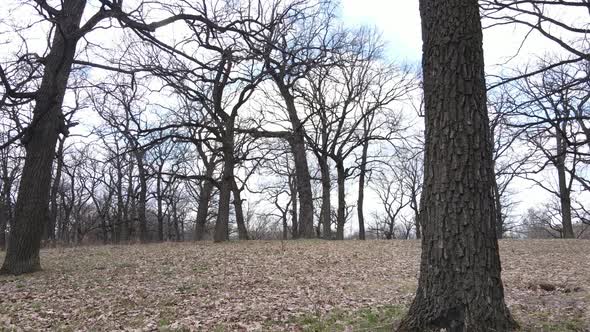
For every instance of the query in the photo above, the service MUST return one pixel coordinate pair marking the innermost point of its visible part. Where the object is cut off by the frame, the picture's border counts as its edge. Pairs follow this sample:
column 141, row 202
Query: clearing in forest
column 275, row 286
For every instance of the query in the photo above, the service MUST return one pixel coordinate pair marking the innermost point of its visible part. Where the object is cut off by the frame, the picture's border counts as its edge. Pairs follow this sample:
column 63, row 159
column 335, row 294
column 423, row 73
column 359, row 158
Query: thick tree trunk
column 225, row 189
column 32, row 206
column 361, row 193
column 242, row 230
column 203, row 208
column 459, row 287
column 341, row 213
column 302, row 175
column 326, row 191
column 564, row 190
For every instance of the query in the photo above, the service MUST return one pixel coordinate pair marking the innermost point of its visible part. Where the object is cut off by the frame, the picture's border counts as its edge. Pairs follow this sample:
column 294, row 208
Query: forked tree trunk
column 32, row 206
column 459, row 287
column 239, row 211
column 203, row 208
column 225, row 189
column 302, row 175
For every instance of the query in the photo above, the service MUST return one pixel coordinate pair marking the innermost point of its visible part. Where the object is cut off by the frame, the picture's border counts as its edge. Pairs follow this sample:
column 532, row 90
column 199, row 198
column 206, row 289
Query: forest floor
column 275, row 286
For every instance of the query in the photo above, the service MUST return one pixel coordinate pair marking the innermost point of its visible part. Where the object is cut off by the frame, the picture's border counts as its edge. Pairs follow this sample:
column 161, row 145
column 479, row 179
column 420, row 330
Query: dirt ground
column 272, row 286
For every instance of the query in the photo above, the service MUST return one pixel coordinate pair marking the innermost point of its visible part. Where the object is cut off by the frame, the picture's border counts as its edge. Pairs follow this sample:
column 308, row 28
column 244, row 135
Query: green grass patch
column 368, row 319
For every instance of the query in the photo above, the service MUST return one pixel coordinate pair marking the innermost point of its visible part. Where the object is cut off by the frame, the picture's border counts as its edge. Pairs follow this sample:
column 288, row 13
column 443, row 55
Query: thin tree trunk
column 129, row 203
column 32, row 206
column 177, row 233
column 118, row 227
column 341, row 213
column 4, row 202
column 50, row 229
column 498, row 203
column 160, row 216
column 242, row 230
column 361, row 193
column 294, row 217
column 141, row 204
column 459, row 288
column 326, row 191
column 564, row 191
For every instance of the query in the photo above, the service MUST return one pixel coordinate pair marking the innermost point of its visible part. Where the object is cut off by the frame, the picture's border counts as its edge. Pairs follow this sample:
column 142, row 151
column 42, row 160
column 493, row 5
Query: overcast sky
column 399, row 21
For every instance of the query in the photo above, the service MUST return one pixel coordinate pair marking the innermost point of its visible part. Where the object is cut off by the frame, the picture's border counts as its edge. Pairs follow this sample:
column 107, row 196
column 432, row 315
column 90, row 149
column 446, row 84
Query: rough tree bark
column 32, row 205
column 459, row 287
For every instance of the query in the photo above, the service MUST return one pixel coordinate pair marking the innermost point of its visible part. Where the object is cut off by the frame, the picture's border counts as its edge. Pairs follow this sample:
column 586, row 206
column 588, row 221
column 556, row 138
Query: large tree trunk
column 303, row 177
column 326, row 191
column 32, row 205
column 203, row 208
column 341, row 213
column 225, row 189
column 459, row 288
column 564, row 190
column 361, row 193
column 242, row 230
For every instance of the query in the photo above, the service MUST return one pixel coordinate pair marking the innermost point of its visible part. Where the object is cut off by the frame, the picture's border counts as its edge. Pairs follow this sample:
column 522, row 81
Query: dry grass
column 268, row 286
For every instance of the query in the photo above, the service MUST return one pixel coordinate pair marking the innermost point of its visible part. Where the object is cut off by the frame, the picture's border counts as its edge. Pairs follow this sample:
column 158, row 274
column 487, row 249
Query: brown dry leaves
column 264, row 286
